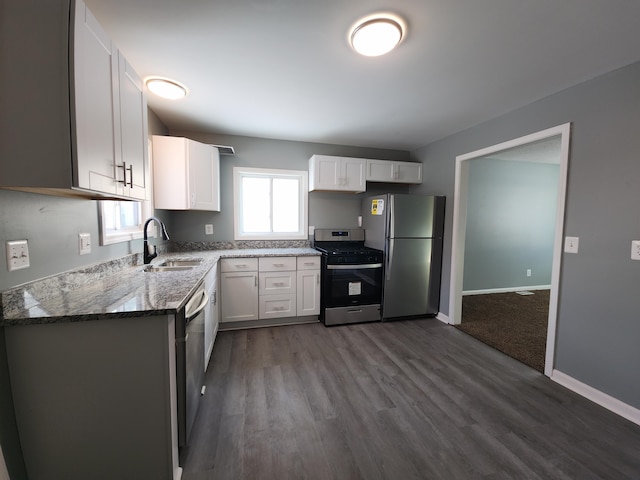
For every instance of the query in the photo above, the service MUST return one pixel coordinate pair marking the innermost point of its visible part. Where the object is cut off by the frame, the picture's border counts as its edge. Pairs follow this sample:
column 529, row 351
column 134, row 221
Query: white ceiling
column 283, row 68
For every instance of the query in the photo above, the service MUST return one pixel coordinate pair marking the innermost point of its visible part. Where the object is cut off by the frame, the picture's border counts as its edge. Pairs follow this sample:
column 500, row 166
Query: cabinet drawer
column 277, row 283
column 239, row 264
column 275, row 264
column 277, row 306
column 309, row 263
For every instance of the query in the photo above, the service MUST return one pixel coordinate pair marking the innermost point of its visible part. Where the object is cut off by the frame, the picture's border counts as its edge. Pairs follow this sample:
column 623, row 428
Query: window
column 270, row 204
column 121, row 221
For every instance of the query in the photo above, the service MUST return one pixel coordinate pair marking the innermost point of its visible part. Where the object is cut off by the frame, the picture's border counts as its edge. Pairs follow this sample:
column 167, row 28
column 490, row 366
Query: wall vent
column 225, row 150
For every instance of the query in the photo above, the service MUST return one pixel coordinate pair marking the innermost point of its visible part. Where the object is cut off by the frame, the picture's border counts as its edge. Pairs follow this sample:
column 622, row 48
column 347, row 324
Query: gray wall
column 325, row 209
column 511, row 219
column 598, row 326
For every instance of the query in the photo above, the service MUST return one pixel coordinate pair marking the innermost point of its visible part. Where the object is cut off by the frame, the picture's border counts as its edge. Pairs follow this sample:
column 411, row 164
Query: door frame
column 460, row 224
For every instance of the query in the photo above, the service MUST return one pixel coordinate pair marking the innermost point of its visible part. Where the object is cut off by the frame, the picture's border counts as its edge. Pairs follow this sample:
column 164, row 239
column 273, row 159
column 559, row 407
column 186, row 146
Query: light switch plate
column 84, row 243
column 571, row 244
column 17, row 255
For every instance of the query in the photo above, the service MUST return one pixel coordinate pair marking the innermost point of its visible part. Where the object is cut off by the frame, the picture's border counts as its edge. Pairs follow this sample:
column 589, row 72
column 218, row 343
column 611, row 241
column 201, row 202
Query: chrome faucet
column 147, row 254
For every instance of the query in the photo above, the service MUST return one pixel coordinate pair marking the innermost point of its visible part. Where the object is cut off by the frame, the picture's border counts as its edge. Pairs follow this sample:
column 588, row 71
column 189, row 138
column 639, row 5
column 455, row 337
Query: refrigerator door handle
column 389, row 258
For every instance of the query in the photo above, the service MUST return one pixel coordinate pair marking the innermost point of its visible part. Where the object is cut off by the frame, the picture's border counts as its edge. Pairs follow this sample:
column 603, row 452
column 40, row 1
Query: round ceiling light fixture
column 165, row 88
column 377, row 34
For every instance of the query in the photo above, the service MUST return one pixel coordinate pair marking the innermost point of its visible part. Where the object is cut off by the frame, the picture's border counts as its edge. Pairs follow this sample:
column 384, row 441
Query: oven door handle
column 354, row 267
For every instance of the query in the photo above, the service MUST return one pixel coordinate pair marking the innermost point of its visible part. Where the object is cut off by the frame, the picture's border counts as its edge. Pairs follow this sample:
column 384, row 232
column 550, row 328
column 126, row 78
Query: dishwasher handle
column 190, row 312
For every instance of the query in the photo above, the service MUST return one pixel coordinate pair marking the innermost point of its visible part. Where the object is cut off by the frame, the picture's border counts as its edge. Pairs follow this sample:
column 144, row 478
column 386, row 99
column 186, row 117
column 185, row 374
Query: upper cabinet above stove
column 340, row 174
column 347, row 174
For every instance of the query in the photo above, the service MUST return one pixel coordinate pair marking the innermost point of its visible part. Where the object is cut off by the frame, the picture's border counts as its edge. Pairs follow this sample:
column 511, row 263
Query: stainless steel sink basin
column 180, row 263
column 174, row 265
column 167, row 268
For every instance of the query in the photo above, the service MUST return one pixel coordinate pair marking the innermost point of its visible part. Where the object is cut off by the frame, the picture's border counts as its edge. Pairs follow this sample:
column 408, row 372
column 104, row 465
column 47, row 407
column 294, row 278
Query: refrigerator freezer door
column 413, row 216
column 374, row 220
column 407, row 287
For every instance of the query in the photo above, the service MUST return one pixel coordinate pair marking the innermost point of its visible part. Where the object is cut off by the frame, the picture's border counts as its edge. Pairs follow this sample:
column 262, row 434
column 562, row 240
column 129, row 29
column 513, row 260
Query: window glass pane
column 256, row 205
column 285, row 205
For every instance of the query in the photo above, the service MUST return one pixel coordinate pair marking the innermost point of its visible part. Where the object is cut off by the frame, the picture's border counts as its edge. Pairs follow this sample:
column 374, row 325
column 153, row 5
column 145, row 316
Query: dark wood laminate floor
column 399, row 400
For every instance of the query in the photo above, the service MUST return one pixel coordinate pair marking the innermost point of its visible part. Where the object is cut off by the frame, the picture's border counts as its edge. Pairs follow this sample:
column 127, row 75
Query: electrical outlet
column 84, row 243
column 635, row 249
column 17, row 255
column 208, row 229
column 528, row 272
column 571, row 244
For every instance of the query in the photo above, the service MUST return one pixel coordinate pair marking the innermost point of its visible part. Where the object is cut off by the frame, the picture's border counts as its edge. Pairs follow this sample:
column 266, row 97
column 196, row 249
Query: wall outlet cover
column 635, row 249
column 571, row 244
column 208, row 229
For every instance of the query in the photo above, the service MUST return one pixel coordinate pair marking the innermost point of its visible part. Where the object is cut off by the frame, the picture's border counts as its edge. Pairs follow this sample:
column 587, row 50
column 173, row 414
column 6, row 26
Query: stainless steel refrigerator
column 409, row 229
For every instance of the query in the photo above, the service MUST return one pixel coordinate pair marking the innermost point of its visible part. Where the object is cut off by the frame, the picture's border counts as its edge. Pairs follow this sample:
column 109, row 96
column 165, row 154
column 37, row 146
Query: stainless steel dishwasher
column 190, row 361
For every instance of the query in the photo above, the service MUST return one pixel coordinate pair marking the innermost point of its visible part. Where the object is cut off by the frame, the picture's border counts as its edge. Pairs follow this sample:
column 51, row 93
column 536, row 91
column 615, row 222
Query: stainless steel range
column 351, row 288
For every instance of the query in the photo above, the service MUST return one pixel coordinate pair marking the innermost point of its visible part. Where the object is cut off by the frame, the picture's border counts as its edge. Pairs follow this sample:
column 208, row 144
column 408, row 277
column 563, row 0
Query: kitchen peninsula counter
column 118, row 289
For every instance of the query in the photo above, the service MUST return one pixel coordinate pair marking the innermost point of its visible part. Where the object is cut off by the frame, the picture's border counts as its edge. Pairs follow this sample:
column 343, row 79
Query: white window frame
column 110, row 234
column 303, row 198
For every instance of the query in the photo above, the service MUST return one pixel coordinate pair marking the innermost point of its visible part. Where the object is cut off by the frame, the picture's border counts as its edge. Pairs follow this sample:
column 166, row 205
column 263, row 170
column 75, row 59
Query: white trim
column 460, row 220
column 607, row 401
column 505, row 290
column 443, row 318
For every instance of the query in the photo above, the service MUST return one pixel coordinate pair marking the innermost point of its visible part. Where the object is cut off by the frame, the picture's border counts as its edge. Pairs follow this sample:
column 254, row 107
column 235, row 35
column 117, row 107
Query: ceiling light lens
column 376, row 37
column 166, row 88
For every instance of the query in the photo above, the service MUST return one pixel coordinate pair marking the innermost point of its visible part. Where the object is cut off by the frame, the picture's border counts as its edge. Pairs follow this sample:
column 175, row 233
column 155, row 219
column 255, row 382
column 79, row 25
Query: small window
column 270, row 204
column 121, row 221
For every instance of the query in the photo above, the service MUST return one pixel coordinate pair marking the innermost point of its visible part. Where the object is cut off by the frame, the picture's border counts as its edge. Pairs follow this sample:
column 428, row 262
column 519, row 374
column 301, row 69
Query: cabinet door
column 133, row 131
column 96, row 102
column 408, row 172
column 324, row 172
column 379, row 171
column 308, row 292
column 353, row 175
column 204, row 173
column 239, row 296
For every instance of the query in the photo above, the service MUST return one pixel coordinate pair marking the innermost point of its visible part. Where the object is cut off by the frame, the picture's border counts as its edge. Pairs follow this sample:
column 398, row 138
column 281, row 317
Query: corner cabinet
column 342, row 174
column 75, row 109
column 393, row 172
column 186, row 174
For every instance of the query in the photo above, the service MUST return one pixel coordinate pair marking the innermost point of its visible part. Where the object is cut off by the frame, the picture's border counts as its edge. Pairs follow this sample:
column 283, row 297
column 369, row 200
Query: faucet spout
column 147, row 253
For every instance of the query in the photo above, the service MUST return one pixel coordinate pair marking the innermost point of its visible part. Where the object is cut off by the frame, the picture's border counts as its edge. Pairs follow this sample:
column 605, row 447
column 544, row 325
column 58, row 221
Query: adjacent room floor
column 514, row 323
column 396, row 400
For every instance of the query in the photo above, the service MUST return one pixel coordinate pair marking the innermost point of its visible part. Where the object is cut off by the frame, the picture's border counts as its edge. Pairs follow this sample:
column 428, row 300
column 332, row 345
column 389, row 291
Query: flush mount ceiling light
column 377, row 34
column 166, row 88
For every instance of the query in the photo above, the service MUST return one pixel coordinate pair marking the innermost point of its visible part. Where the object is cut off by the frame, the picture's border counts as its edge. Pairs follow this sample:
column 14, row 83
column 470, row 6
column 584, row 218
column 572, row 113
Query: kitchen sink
column 173, row 265
column 167, row 268
column 180, row 263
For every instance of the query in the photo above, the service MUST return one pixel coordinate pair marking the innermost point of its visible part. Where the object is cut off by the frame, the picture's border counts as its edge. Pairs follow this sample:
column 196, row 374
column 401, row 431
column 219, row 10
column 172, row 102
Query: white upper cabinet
column 186, row 174
column 393, row 172
column 75, row 107
column 343, row 174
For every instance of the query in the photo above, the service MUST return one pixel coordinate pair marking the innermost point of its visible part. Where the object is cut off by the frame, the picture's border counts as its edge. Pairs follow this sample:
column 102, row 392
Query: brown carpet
column 512, row 323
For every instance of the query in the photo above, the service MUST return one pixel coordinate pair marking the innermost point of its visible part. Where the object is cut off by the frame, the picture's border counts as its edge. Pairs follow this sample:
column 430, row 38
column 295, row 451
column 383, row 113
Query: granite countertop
column 118, row 289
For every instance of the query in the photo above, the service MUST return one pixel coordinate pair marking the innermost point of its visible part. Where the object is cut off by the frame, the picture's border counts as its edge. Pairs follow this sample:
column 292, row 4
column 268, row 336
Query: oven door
column 352, row 285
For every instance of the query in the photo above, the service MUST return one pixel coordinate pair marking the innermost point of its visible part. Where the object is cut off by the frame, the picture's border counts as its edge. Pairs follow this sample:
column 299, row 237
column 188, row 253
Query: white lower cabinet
column 211, row 314
column 269, row 288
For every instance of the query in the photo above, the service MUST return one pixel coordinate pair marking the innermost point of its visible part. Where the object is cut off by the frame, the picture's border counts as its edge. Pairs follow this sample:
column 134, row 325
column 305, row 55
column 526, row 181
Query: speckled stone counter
column 118, row 289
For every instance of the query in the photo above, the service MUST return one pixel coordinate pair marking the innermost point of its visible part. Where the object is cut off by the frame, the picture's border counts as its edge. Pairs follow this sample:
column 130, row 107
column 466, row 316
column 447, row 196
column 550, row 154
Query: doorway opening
column 524, row 149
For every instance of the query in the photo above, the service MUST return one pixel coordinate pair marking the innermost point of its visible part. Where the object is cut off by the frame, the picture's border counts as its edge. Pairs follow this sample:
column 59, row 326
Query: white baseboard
column 506, row 290
column 443, row 318
column 610, row 403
